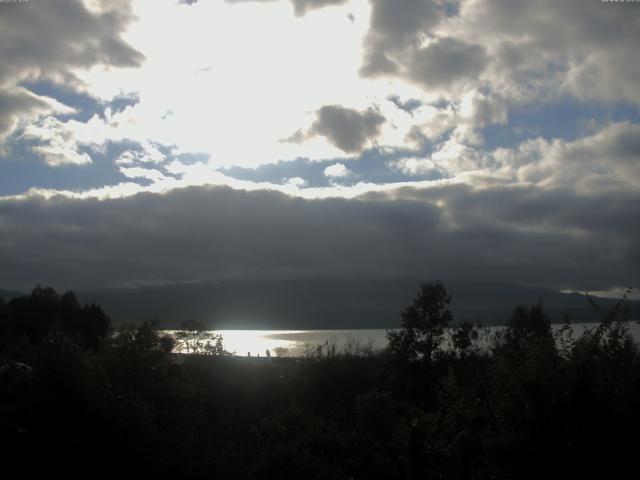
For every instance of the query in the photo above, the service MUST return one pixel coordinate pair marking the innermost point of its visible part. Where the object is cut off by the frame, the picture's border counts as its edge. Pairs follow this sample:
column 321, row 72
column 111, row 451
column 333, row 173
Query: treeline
column 34, row 317
column 77, row 398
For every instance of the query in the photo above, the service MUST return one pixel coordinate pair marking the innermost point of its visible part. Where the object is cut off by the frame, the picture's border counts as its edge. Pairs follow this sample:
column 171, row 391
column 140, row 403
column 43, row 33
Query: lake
column 297, row 343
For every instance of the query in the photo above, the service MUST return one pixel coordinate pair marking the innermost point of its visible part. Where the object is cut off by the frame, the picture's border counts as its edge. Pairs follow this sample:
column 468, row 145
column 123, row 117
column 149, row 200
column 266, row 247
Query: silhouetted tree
column 167, row 343
column 191, row 335
column 32, row 316
column 423, row 324
column 215, row 349
column 94, row 327
column 614, row 320
column 146, row 337
column 528, row 326
column 463, row 337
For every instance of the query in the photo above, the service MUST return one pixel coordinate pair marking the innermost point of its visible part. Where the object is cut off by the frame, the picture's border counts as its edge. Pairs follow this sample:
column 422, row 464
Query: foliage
column 44, row 311
column 194, row 338
column 423, row 324
column 530, row 405
column 463, row 337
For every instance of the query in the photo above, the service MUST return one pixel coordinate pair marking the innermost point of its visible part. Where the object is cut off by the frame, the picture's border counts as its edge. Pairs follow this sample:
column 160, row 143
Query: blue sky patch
column 567, row 120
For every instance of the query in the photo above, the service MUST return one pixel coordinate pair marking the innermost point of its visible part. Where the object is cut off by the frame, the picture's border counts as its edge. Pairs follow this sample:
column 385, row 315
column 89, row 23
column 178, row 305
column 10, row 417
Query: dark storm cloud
column 48, row 38
column 347, row 129
column 521, row 235
column 446, row 62
column 394, row 28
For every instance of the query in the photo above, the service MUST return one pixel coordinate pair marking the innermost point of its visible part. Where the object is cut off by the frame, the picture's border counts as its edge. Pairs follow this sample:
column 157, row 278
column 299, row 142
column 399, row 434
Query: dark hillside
column 324, row 303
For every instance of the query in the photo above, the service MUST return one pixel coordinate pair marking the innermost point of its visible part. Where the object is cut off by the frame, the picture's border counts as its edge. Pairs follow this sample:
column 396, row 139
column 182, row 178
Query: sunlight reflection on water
column 294, row 343
column 289, row 343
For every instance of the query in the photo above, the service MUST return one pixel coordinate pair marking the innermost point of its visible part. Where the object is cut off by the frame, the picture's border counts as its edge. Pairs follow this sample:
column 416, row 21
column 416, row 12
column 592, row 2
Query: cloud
column 297, row 181
column 415, row 166
column 50, row 39
column 301, row 7
column 337, row 170
column 545, row 47
column 147, row 154
column 394, row 29
column 146, row 173
column 520, row 234
column 55, row 144
column 428, row 68
column 447, row 61
column 482, row 110
column 17, row 103
column 347, row 129
column 606, row 160
column 399, row 94
column 53, row 40
column 527, row 51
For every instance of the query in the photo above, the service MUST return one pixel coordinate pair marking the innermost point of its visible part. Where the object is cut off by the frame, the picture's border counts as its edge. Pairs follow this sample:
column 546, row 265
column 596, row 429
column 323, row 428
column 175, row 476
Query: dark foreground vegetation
column 80, row 399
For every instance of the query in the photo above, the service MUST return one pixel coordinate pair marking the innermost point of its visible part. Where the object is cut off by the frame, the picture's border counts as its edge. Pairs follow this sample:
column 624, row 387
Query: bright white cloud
column 55, row 144
column 297, row 181
column 414, row 165
column 337, row 170
column 146, row 173
column 241, row 104
column 236, row 103
column 149, row 154
column 250, row 83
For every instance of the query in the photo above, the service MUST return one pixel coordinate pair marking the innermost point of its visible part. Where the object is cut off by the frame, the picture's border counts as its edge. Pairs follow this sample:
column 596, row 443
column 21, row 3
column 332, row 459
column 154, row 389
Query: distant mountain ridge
column 9, row 294
column 327, row 303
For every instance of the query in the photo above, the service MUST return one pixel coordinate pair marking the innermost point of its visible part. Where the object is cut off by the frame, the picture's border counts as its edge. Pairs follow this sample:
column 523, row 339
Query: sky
column 152, row 142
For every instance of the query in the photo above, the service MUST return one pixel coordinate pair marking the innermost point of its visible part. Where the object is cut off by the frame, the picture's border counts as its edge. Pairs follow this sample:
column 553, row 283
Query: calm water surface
column 296, row 343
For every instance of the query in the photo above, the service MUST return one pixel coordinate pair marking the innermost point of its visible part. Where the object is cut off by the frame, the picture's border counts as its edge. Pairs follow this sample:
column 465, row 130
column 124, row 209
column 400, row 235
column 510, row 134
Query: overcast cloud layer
column 490, row 140
column 205, row 233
